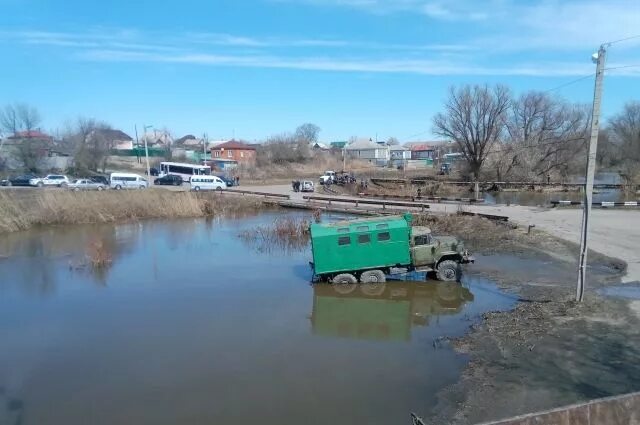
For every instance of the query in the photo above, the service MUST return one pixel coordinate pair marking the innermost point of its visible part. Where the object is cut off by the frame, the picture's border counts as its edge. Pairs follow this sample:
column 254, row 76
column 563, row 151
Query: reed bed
column 285, row 233
column 23, row 209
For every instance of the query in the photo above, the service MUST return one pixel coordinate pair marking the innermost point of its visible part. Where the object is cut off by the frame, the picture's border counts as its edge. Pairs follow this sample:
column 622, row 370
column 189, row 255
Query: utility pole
column 146, row 149
column 344, row 157
column 135, row 127
column 599, row 58
column 205, row 142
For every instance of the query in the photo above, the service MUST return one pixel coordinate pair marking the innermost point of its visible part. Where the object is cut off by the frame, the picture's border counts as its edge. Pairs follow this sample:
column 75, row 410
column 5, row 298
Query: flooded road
column 187, row 324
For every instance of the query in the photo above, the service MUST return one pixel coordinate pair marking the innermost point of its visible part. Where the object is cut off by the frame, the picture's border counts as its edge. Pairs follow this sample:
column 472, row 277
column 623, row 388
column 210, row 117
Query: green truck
column 367, row 250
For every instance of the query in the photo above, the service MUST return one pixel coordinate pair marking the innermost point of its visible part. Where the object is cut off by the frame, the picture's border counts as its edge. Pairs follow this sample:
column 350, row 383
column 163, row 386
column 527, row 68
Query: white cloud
column 215, row 49
column 422, row 67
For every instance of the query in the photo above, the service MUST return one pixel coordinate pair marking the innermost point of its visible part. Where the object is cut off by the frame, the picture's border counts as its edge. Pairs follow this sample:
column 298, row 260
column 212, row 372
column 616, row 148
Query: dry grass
column 286, row 233
column 99, row 255
column 23, row 209
column 475, row 231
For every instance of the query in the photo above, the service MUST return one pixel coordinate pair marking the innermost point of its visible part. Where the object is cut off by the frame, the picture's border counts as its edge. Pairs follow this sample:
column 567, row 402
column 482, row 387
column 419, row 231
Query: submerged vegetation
column 286, row 233
column 21, row 210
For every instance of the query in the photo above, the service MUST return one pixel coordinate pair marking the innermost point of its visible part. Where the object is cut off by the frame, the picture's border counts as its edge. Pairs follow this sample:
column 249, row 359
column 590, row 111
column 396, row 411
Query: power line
column 622, row 67
column 569, row 83
column 623, row 39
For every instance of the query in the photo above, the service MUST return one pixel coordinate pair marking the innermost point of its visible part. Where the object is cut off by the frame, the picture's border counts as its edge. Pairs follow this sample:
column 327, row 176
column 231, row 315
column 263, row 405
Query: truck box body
column 374, row 243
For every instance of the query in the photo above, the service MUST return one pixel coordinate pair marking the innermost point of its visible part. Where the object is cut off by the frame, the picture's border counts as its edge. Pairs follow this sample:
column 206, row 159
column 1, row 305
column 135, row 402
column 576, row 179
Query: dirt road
column 615, row 233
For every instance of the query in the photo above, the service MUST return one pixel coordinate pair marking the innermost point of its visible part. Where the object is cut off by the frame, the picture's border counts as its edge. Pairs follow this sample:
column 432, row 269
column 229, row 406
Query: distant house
column 32, row 134
column 234, row 150
column 319, row 146
column 119, row 139
column 222, row 164
column 422, row 151
column 187, row 139
column 338, row 145
column 367, row 150
column 399, row 155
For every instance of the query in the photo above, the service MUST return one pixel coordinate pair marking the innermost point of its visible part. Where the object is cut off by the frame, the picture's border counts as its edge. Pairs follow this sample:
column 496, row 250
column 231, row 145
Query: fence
column 383, row 203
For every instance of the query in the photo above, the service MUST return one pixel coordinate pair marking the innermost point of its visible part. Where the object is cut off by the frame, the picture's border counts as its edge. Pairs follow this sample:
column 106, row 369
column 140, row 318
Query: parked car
column 169, row 180
column 328, row 177
column 58, row 180
column 86, row 184
column 199, row 183
column 100, row 179
column 306, row 186
column 4, row 182
column 127, row 181
column 229, row 181
column 20, row 180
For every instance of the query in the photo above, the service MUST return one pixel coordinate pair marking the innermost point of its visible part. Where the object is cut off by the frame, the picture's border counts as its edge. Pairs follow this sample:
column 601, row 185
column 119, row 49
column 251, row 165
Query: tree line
column 88, row 140
column 534, row 136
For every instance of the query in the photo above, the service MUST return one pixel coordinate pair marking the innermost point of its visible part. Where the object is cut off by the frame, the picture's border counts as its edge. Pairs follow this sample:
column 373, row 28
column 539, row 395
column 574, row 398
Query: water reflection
column 383, row 311
column 11, row 409
column 36, row 261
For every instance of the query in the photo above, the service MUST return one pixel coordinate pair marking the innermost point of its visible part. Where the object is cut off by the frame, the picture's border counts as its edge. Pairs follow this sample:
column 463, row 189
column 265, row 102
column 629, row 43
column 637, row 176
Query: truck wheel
column 344, row 283
column 448, row 271
column 118, row 187
column 372, row 276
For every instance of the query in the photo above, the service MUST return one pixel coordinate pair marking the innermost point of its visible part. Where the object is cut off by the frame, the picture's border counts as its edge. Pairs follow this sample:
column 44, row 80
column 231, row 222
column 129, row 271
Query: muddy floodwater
column 187, row 324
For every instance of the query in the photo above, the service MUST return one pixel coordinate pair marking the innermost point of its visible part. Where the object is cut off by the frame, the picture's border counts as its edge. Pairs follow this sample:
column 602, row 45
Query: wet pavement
column 188, row 324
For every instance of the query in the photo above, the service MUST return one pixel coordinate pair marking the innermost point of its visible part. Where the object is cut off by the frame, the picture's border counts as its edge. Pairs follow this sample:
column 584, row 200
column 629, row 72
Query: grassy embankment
column 21, row 210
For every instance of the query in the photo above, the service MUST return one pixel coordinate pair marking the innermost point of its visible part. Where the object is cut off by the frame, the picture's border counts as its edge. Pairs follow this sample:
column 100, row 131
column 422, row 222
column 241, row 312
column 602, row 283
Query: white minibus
column 127, row 181
column 207, row 183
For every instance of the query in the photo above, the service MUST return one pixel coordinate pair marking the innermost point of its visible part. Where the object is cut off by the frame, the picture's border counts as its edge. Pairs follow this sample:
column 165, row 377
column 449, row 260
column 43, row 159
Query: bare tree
column 92, row 141
column 624, row 130
column 9, row 119
column 474, row 118
column 393, row 141
column 31, row 154
column 545, row 133
column 307, row 132
column 29, row 117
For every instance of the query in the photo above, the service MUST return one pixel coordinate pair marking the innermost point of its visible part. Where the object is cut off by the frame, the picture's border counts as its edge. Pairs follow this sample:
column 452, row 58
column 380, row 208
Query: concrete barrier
column 618, row 410
column 604, row 204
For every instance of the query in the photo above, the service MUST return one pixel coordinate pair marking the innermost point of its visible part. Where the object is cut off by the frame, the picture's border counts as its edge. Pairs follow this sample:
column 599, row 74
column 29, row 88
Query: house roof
column 232, row 144
column 319, row 145
column 398, row 148
column 361, row 144
column 421, row 147
column 185, row 138
column 33, row 134
column 112, row 134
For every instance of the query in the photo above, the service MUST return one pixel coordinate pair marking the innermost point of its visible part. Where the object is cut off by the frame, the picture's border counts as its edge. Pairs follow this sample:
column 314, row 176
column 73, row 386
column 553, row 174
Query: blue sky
column 254, row 68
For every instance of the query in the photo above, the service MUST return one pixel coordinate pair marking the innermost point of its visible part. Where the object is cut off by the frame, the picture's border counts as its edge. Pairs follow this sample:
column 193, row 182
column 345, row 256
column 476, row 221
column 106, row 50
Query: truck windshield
column 422, row 240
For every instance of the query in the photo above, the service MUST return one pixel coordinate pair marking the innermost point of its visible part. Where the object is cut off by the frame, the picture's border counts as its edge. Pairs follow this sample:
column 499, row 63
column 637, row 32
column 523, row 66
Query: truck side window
column 364, row 238
column 362, row 228
column 344, row 240
column 382, row 226
column 383, row 236
column 422, row 240
column 343, row 230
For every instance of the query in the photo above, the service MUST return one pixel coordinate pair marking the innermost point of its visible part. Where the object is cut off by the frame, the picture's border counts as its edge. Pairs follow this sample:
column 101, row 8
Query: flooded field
column 186, row 323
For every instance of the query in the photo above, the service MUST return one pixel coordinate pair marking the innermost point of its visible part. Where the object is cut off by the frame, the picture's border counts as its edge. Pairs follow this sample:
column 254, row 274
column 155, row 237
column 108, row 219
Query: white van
column 207, row 183
column 127, row 181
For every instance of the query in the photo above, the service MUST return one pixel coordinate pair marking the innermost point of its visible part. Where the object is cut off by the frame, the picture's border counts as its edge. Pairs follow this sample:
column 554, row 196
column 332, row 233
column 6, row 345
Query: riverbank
column 549, row 351
column 22, row 210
